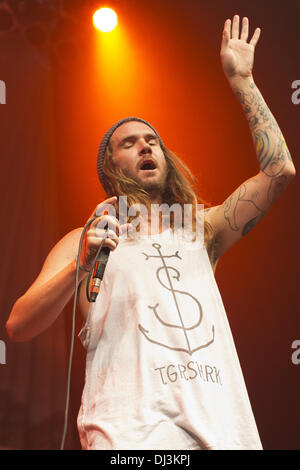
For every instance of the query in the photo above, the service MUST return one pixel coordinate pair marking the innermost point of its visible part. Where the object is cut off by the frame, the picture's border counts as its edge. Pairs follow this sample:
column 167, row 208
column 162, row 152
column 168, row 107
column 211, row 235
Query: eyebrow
column 134, row 137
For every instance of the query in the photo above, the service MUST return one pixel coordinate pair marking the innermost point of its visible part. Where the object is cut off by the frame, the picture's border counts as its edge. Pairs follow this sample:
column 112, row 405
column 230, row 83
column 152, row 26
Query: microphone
column 98, row 272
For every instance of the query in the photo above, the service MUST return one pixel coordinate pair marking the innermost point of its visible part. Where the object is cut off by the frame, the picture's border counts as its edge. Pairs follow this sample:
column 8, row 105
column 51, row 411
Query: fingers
column 103, row 224
column 105, row 205
column 108, row 223
column 111, row 241
column 255, row 37
column 231, row 30
column 235, row 27
column 226, row 33
column 245, row 29
column 100, row 224
column 94, row 238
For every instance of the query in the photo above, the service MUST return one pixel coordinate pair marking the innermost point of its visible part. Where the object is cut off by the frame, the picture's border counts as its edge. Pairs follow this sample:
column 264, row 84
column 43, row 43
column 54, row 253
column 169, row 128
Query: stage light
column 105, row 19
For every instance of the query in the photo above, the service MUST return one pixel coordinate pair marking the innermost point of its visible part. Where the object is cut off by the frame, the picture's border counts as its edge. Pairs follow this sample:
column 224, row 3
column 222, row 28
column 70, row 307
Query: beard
column 155, row 187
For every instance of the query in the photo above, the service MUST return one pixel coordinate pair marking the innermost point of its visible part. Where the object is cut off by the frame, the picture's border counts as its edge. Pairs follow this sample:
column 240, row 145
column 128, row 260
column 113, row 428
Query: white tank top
column 162, row 370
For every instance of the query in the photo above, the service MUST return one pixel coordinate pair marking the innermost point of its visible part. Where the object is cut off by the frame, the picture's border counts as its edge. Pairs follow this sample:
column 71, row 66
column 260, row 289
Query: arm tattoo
column 239, row 200
column 251, row 224
column 273, row 156
column 234, row 203
column 269, row 143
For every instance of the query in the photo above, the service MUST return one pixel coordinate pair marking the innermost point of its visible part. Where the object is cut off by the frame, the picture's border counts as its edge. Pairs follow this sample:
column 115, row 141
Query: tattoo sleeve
column 256, row 195
column 270, row 146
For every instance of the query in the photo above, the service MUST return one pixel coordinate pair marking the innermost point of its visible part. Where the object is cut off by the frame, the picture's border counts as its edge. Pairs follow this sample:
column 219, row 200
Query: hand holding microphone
column 104, row 232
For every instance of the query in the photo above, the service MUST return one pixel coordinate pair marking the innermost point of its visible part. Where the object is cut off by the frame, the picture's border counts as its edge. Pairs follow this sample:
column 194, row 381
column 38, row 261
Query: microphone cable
column 73, row 320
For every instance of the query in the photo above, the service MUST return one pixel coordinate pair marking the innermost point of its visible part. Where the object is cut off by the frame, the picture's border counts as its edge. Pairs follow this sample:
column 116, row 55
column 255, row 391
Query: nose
column 144, row 148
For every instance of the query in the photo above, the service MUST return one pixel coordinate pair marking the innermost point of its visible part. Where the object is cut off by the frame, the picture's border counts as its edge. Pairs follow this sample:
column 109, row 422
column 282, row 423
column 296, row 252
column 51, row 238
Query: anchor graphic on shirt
column 174, row 293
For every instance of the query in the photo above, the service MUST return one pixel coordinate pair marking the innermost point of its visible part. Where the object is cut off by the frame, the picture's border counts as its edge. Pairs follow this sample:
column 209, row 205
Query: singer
column 162, row 371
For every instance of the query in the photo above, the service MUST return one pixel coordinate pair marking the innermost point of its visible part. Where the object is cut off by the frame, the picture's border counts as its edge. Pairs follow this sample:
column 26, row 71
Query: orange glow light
column 105, row 19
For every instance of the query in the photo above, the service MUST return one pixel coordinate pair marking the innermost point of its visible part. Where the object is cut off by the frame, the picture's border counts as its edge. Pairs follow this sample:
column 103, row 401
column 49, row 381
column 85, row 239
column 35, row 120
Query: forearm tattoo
column 270, row 146
column 273, row 156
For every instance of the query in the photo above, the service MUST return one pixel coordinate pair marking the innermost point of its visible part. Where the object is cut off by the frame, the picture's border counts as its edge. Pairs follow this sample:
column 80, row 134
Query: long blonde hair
column 179, row 187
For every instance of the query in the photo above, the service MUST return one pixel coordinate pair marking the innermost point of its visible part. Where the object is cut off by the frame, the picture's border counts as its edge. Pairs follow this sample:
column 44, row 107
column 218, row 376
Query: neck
column 155, row 198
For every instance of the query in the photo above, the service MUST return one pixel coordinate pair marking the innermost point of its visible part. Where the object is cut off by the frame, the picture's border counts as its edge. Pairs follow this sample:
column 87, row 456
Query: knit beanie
column 107, row 136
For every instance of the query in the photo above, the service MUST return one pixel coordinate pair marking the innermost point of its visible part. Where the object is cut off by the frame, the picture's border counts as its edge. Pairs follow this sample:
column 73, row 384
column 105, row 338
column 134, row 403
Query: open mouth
column 148, row 165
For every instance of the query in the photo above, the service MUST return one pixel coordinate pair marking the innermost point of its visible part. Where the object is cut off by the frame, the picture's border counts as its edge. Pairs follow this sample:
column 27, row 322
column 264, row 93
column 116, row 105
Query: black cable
column 73, row 321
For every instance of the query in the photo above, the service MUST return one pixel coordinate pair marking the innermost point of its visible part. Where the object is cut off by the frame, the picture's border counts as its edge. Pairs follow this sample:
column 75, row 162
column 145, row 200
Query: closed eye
column 130, row 140
column 128, row 143
column 152, row 140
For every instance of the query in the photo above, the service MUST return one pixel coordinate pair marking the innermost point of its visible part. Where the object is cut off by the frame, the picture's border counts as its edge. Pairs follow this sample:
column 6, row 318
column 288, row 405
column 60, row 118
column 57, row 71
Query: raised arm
column 247, row 205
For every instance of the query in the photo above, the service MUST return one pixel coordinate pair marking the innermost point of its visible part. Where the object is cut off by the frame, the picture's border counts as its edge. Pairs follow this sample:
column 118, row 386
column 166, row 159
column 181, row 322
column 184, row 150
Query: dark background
column 65, row 85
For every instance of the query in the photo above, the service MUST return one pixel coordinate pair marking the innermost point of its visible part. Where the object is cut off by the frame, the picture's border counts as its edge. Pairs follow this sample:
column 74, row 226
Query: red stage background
column 162, row 65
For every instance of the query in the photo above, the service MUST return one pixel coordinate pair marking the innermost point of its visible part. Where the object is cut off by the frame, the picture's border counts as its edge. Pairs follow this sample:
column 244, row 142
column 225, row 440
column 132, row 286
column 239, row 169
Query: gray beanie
column 107, row 136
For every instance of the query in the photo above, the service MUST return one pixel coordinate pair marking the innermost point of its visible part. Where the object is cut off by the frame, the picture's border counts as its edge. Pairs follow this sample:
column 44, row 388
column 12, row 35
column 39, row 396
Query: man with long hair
column 162, row 370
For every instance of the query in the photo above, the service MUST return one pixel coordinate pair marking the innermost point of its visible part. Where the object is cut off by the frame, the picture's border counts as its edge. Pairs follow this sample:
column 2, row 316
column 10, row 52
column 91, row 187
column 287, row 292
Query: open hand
column 237, row 55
